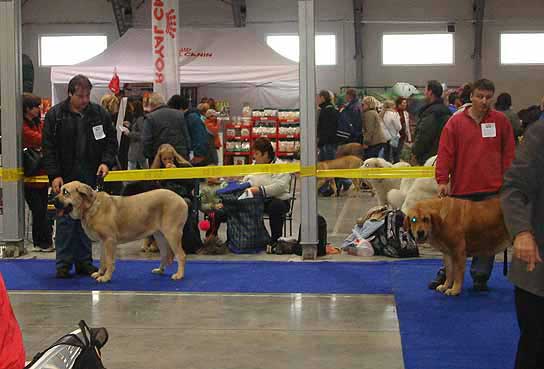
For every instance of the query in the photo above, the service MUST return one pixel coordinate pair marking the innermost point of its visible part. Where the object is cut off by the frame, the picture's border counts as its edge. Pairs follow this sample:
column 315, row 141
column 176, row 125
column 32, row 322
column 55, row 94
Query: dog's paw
column 177, row 276
column 103, row 279
column 442, row 288
column 452, row 292
column 158, row 271
column 95, row 275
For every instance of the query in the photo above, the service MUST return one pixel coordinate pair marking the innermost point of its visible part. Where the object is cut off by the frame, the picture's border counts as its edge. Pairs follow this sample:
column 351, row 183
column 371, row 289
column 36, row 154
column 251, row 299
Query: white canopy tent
column 226, row 64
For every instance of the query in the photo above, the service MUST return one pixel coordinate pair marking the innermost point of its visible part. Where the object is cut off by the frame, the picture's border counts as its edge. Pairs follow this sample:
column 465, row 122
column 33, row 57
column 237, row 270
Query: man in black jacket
column 431, row 120
column 327, row 124
column 79, row 143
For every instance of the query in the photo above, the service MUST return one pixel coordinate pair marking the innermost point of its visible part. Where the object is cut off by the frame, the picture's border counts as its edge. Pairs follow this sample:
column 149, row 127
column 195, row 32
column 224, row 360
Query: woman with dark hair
column 405, row 134
column 504, row 105
column 36, row 193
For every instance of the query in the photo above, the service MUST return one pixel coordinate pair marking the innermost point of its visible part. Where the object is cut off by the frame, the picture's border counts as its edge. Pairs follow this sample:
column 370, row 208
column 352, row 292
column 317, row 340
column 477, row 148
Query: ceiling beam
column 122, row 11
column 478, row 10
column 358, row 6
column 239, row 12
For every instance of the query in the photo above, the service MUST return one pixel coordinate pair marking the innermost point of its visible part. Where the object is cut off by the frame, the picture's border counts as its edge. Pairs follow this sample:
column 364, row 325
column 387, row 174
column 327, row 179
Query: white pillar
column 11, row 117
column 308, row 193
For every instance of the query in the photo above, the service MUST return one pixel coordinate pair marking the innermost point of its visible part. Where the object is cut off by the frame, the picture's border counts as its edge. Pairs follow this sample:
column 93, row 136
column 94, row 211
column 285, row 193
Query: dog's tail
column 396, row 198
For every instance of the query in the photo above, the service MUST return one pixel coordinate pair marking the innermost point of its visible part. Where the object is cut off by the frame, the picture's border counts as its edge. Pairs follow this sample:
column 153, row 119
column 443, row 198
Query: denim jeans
column 72, row 244
column 327, row 152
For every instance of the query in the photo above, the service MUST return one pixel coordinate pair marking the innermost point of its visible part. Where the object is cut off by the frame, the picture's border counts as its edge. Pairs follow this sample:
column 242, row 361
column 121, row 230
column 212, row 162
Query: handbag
column 32, row 161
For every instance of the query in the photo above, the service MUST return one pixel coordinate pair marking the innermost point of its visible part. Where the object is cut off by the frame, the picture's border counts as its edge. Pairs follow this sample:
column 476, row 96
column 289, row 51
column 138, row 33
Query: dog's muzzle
column 421, row 236
column 61, row 208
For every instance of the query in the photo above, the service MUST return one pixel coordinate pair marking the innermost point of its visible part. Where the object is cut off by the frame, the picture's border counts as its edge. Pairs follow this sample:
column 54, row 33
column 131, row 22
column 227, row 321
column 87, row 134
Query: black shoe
column 438, row 280
column 63, row 273
column 480, row 285
column 86, row 269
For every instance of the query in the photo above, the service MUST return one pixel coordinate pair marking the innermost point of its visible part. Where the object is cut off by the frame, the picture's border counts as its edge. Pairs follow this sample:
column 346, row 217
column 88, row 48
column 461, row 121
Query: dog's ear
column 436, row 221
column 86, row 192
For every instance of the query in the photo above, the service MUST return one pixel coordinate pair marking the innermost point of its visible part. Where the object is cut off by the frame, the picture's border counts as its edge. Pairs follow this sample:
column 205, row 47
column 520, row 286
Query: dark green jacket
column 431, row 120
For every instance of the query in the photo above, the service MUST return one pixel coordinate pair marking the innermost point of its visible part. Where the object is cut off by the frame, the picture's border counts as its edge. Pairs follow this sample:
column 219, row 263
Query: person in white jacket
column 391, row 128
column 274, row 187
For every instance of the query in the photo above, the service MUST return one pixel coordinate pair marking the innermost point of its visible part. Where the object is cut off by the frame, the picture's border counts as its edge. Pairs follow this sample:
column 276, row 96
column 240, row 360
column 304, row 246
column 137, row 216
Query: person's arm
column 32, row 137
column 425, row 136
column 522, row 183
column 185, row 130
column 370, row 128
column 50, row 147
column 279, row 185
column 508, row 145
column 446, row 155
column 110, row 150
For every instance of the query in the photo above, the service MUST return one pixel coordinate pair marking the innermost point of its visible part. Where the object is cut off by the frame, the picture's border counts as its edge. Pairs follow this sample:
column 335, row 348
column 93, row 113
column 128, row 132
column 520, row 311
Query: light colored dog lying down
column 112, row 220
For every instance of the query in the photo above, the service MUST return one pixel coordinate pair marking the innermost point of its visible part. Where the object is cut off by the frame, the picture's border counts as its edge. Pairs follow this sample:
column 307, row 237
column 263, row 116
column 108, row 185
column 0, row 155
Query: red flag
column 115, row 83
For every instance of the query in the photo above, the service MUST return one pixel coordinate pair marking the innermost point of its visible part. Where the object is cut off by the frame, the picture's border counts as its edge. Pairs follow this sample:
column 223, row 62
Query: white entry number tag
column 489, row 130
column 99, row 132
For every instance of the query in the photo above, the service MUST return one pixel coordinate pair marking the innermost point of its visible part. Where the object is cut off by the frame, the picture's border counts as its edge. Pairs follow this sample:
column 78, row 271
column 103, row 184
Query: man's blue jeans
column 327, row 152
column 72, row 244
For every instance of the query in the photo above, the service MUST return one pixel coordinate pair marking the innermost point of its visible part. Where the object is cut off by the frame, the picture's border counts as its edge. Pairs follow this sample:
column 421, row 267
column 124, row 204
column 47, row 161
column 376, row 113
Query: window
column 417, row 49
column 69, row 50
column 288, row 46
column 522, row 48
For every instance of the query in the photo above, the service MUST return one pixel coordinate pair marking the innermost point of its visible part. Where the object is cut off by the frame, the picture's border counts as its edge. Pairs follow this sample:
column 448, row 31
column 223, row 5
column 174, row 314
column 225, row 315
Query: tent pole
column 308, row 193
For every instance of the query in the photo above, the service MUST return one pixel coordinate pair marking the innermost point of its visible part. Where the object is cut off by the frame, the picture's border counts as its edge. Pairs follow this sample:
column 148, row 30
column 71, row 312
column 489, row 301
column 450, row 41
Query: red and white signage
column 164, row 16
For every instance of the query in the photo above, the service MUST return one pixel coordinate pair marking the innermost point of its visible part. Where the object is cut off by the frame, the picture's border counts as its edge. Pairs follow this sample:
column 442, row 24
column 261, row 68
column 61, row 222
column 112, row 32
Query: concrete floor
column 154, row 330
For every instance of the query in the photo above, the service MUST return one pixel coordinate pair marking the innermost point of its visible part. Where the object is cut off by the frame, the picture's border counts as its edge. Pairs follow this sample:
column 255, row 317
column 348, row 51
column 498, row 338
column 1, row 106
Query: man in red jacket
column 476, row 148
column 12, row 352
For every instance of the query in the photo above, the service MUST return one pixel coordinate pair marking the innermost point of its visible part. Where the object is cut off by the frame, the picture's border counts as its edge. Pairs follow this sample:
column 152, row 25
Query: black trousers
column 530, row 314
column 36, row 198
column 276, row 209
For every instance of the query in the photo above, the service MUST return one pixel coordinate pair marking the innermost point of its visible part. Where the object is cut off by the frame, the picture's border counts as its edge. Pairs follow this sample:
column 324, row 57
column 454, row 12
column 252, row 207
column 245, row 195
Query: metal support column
column 11, row 127
column 478, row 10
column 308, row 194
column 358, row 29
column 239, row 12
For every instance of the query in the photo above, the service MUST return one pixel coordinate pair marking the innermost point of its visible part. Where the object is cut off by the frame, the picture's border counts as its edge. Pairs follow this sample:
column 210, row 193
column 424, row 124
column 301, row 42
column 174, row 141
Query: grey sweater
column 522, row 199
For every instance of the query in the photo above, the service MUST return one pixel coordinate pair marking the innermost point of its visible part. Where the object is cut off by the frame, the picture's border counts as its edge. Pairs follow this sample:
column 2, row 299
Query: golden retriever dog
column 112, row 220
column 382, row 186
column 413, row 190
column 458, row 228
column 353, row 148
column 345, row 162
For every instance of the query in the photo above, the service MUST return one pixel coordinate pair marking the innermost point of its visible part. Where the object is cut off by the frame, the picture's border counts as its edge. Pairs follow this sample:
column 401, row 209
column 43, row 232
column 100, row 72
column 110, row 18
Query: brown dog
column 345, row 162
column 353, row 148
column 458, row 228
column 112, row 220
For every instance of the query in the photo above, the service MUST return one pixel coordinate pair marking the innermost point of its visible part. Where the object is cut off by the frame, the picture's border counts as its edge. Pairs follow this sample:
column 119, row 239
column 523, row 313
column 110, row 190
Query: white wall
column 280, row 16
column 42, row 17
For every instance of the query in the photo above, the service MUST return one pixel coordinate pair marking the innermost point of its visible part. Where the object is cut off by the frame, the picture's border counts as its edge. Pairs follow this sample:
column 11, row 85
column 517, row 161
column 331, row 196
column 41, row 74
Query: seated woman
column 274, row 187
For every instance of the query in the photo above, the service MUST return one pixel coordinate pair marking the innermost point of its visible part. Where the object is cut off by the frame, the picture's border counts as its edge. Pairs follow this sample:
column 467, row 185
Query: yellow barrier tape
column 201, row 172
column 308, row 171
column 11, row 174
column 241, row 170
column 378, row 173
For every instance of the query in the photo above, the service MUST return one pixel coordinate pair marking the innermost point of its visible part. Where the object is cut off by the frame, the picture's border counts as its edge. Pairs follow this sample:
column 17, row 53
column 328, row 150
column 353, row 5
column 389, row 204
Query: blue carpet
column 473, row 331
column 211, row 276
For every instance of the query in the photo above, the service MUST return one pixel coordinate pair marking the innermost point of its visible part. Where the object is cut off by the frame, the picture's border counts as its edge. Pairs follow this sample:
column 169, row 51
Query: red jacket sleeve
column 12, row 352
column 508, row 145
column 32, row 137
column 446, row 160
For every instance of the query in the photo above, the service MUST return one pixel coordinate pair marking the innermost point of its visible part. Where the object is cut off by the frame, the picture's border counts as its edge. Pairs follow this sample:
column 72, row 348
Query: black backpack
column 74, row 351
column 392, row 240
column 321, row 235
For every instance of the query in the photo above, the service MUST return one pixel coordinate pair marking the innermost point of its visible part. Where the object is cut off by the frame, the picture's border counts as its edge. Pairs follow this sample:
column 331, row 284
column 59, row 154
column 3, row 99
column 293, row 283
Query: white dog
column 413, row 190
column 383, row 186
